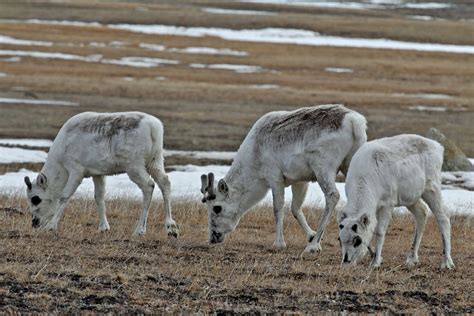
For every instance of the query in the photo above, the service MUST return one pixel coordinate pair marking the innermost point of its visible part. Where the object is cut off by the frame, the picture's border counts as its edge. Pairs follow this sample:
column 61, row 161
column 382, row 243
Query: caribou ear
column 28, row 183
column 222, row 187
column 41, row 180
column 342, row 216
column 364, row 219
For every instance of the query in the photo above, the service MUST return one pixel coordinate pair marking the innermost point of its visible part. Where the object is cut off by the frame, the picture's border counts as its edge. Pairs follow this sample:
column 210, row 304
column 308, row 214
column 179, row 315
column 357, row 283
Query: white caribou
column 282, row 149
column 95, row 145
column 403, row 170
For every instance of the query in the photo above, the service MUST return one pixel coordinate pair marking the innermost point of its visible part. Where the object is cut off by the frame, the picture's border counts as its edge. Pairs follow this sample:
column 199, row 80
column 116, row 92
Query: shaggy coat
column 282, row 149
column 403, row 170
column 96, row 145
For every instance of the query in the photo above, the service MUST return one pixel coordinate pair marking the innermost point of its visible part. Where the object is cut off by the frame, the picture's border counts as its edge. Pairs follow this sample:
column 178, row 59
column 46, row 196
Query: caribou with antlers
column 282, row 149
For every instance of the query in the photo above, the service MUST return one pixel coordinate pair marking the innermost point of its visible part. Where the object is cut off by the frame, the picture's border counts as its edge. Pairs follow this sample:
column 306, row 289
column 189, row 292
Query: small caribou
column 282, row 149
column 96, row 145
column 403, row 170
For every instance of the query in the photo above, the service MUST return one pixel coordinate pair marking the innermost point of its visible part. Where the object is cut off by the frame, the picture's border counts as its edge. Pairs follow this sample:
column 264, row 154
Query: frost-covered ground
column 185, row 180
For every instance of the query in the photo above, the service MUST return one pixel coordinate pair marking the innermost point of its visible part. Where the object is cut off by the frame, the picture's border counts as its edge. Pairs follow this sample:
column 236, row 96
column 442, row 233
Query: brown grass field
column 79, row 270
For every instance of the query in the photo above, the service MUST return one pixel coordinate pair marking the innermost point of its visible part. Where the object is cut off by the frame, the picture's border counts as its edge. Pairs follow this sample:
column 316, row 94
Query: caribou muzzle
column 35, row 222
column 216, row 238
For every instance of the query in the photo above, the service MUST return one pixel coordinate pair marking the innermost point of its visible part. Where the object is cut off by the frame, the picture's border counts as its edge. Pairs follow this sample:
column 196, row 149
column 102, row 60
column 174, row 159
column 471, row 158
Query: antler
column 207, row 187
column 203, row 183
column 28, row 182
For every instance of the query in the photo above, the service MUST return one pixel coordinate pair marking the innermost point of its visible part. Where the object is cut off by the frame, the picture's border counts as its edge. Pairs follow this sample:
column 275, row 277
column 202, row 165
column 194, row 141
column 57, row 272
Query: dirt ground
column 211, row 109
column 80, row 269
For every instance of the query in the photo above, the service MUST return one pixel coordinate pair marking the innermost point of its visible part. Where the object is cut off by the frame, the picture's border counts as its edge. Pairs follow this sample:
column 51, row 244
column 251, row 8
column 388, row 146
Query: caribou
column 96, row 145
column 285, row 149
column 403, row 170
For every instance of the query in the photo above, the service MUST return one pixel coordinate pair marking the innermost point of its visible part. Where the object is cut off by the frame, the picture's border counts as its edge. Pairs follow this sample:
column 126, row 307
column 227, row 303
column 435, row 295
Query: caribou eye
column 341, row 226
column 354, row 228
column 357, row 241
column 217, row 209
column 35, row 200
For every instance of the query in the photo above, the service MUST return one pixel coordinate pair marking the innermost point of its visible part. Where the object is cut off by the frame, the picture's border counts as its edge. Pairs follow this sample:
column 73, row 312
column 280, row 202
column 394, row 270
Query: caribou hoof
column 51, row 226
column 172, row 229
column 447, row 264
column 104, row 227
column 279, row 245
column 376, row 263
column 412, row 261
column 139, row 232
column 313, row 248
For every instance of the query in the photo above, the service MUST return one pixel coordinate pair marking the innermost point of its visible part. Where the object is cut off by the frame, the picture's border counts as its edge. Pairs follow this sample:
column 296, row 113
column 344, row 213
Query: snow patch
column 10, row 59
column 45, row 55
column 19, row 155
column 459, row 178
column 293, row 36
column 265, row 86
column 370, row 4
column 13, row 41
column 153, row 47
column 64, row 22
column 96, row 44
column 238, row 12
column 26, row 142
column 209, row 51
column 432, row 96
column 214, row 155
column 117, row 44
column 233, row 67
column 427, row 108
column 277, row 35
column 37, row 102
column 422, row 17
column 186, row 183
column 2, row 74
column 426, row 6
column 338, row 70
column 321, row 4
column 140, row 62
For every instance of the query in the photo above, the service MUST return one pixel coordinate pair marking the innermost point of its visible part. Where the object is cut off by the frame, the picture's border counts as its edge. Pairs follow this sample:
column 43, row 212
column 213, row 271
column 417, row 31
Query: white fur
column 265, row 164
column 404, row 170
column 96, row 145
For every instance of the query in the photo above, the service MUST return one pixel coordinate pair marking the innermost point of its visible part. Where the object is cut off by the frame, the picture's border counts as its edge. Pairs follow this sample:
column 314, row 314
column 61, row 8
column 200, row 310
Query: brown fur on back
column 292, row 126
column 108, row 125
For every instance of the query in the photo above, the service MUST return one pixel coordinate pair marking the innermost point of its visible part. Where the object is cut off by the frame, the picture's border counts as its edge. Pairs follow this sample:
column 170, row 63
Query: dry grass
column 82, row 269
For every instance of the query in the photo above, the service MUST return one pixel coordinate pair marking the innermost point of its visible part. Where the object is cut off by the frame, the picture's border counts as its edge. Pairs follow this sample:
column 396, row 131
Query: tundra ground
column 80, row 269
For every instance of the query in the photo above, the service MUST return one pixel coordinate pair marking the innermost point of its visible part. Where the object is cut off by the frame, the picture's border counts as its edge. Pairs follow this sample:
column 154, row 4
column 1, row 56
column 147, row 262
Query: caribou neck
column 244, row 179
